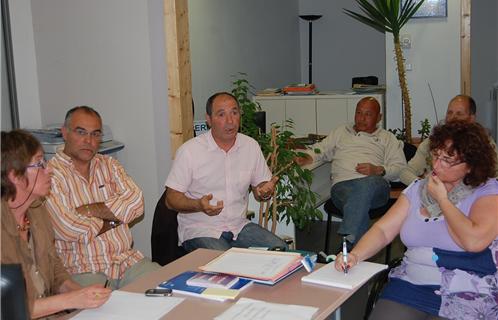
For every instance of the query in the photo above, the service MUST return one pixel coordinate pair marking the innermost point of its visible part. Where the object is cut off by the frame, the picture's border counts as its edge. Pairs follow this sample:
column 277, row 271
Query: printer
column 50, row 138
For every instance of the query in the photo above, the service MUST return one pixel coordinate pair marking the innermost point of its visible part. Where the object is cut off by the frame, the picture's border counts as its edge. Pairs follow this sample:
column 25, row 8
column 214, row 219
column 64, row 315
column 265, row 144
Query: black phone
column 163, row 292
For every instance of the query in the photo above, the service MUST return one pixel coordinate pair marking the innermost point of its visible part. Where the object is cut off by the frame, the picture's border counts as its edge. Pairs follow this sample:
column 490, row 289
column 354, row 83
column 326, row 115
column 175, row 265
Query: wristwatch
column 114, row 224
column 383, row 173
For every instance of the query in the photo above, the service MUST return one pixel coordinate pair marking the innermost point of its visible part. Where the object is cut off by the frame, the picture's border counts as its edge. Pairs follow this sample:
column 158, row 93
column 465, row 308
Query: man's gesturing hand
column 209, row 209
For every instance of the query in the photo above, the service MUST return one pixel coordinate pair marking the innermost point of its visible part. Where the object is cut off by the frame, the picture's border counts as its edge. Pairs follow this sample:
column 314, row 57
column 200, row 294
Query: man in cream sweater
column 364, row 158
column 460, row 108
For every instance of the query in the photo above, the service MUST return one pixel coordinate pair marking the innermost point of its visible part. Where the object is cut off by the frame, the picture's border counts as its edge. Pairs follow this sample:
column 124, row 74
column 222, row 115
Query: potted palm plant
column 390, row 16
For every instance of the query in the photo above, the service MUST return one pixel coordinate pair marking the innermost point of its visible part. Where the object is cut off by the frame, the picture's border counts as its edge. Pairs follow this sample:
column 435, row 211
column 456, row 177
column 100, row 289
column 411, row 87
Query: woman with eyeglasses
column 449, row 224
column 27, row 235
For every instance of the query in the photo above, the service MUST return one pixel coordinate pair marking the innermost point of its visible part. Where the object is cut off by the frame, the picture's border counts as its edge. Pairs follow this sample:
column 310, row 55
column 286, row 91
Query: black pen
column 106, row 283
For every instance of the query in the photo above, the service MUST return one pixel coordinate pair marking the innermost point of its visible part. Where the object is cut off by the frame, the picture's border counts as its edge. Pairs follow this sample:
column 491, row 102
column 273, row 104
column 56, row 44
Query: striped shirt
column 76, row 240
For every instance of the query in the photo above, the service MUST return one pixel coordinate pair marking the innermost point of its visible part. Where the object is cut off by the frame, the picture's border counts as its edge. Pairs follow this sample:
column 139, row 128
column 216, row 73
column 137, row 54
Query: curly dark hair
column 472, row 145
column 18, row 148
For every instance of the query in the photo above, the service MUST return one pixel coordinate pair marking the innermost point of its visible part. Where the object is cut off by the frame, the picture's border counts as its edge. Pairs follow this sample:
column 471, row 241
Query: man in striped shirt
column 91, row 203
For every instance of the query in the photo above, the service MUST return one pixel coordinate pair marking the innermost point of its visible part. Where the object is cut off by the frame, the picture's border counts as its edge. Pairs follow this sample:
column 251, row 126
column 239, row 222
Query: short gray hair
column 85, row 109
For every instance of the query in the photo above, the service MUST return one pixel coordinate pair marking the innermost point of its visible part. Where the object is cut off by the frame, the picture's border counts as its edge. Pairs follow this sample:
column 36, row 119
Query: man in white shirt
column 364, row 158
column 209, row 183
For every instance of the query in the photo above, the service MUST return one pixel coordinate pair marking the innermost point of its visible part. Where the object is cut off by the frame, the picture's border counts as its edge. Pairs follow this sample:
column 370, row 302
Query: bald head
column 367, row 115
column 461, row 108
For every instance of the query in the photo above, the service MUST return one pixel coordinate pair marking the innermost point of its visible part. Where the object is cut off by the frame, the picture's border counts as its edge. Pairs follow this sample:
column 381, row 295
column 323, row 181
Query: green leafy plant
column 390, row 16
column 399, row 133
column 292, row 199
column 425, row 129
column 242, row 91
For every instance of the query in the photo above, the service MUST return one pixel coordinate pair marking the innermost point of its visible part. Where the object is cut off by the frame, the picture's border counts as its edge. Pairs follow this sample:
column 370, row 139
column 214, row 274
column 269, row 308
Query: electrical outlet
column 405, row 41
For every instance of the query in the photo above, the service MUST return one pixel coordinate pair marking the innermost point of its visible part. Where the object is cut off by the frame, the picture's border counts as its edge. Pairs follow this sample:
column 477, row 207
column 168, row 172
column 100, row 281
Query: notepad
column 356, row 276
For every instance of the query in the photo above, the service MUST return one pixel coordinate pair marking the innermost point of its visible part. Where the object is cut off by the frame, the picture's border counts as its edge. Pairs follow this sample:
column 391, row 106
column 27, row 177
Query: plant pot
column 260, row 120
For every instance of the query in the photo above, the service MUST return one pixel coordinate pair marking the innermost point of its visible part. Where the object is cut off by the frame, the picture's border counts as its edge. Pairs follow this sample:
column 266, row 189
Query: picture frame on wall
column 431, row 9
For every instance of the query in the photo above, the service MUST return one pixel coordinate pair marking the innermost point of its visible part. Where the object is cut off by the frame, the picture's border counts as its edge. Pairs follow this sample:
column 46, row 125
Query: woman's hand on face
column 436, row 188
column 89, row 297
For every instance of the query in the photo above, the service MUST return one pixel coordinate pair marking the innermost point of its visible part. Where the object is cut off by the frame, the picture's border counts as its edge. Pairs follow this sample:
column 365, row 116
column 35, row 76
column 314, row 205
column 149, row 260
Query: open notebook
column 358, row 275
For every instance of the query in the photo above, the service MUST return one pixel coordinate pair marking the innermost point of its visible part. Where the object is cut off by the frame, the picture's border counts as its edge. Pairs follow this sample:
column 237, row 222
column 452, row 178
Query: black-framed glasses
column 97, row 134
column 40, row 164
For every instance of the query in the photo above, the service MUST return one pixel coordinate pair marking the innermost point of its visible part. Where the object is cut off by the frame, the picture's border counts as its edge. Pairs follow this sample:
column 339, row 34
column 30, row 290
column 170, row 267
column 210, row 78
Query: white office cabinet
column 331, row 114
column 275, row 112
column 315, row 113
column 299, row 111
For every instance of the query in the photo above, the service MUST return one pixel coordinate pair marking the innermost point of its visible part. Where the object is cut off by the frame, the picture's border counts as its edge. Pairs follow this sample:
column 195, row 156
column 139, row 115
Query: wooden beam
column 465, row 65
column 179, row 72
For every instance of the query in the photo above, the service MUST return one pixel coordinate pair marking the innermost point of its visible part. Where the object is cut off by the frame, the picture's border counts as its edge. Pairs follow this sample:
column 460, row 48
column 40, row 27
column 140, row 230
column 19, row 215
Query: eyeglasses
column 40, row 164
column 446, row 162
column 83, row 133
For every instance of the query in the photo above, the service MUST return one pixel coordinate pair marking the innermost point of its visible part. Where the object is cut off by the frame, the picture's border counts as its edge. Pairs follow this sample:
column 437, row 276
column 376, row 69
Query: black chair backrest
column 409, row 150
column 164, row 236
column 13, row 288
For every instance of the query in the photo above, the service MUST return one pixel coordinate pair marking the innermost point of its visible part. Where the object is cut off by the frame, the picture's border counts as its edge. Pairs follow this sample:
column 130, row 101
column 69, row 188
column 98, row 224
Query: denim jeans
column 252, row 235
column 355, row 198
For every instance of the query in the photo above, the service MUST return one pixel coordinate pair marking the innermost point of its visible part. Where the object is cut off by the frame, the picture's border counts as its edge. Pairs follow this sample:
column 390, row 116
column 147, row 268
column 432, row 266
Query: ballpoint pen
column 345, row 255
column 106, row 283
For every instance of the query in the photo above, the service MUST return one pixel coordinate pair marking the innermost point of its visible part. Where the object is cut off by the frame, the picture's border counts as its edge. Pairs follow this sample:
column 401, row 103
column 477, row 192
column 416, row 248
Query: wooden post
column 465, row 66
column 179, row 72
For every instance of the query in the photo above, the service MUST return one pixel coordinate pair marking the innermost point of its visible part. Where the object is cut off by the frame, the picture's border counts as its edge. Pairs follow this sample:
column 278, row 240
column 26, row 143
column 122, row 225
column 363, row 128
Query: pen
column 106, row 283
column 345, row 255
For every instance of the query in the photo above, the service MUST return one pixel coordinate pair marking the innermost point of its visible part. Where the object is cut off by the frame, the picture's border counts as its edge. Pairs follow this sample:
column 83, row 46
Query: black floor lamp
column 310, row 18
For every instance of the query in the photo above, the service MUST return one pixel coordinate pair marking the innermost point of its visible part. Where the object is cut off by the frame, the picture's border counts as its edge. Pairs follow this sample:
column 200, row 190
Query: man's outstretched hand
column 209, row 209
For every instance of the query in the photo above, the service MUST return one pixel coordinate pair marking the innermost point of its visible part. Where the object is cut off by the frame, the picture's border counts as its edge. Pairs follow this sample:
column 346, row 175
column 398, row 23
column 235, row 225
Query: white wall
column 25, row 64
column 257, row 37
column 435, row 58
column 343, row 48
column 484, row 63
column 4, row 89
column 109, row 55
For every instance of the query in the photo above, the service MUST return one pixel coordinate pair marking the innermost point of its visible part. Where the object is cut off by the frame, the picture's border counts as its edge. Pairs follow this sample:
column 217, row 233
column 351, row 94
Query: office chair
column 164, row 236
column 409, row 150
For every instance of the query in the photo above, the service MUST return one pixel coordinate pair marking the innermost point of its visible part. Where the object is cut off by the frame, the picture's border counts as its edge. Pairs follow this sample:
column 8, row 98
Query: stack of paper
column 124, row 305
column 300, row 89
column 270, row 92
column 268, row 267
column 179, row 284
column 356, row 276
column 255, row 309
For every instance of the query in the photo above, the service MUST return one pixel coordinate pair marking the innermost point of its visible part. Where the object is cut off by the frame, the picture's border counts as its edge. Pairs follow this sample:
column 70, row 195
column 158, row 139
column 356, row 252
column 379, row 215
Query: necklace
column 25, row 225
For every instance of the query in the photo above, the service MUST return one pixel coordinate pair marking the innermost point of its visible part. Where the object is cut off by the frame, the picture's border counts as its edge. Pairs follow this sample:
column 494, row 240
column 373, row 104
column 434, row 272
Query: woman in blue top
column 449, row 224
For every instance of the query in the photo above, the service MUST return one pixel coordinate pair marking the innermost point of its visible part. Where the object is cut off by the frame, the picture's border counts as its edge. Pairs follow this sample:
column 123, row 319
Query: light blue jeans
column 355, row 198
column 252, row 235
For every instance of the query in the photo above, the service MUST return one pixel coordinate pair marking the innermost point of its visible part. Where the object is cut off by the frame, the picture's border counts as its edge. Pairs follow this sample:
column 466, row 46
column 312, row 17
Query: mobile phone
column 163, row 292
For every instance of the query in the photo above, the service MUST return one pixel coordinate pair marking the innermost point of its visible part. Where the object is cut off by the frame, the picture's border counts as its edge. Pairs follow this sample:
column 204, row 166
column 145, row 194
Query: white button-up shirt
column 201, row 168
